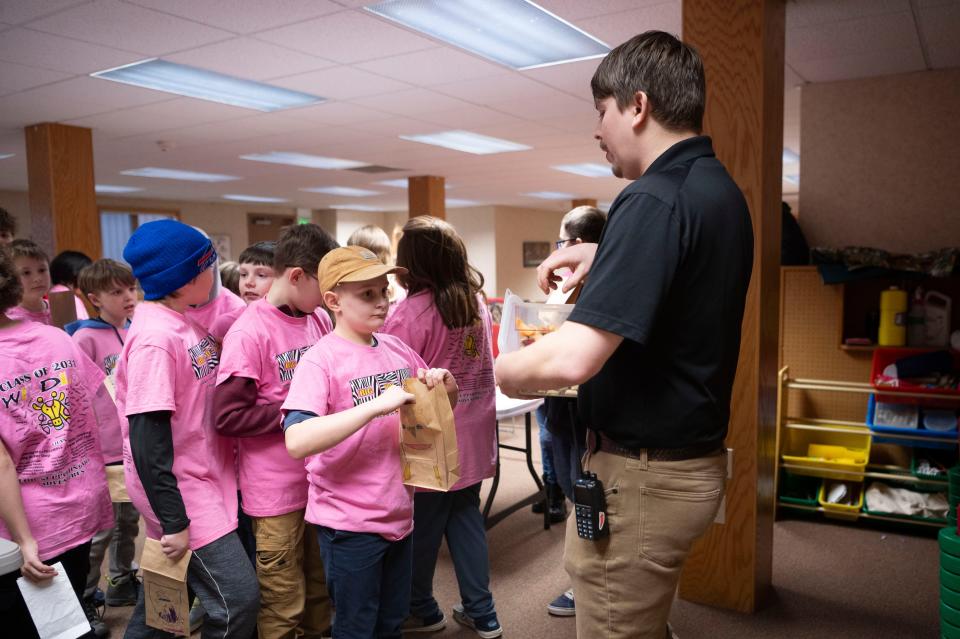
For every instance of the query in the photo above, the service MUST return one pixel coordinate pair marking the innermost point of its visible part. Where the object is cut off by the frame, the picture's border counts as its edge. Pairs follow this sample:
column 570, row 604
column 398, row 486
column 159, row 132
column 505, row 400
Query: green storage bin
column 950, row 563
column 949, row 542
column 949, row 580
column 950, row 597
column 948, row 630
column 949, row 615
column 798, row 489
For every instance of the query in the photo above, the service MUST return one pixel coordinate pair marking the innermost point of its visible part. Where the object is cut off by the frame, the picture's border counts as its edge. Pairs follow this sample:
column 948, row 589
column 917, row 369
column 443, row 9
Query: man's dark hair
column 584, row 223
column 10, row 287
column 259, row 253
column 302, row 245
column 667, row 70
column 66, row 266
column 8, row 223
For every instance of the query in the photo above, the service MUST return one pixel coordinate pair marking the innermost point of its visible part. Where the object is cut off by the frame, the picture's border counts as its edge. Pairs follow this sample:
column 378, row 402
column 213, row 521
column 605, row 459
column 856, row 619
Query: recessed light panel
column 113, row 188
column 302, row 159
column 193, row 82
column 347, row 191
column 551, row 195
column 4, row 156
column 515, row 33
column 453, row 202
column 790, row 156
column 402, row 183
column 467, row 142
column 254, row 198
column 176, row 174
column 587, row 169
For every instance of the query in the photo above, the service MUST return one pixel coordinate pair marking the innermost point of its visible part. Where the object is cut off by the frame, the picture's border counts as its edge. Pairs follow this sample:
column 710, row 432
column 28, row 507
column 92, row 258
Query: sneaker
column 431, row 623
column 670, row 633
column 123, row 593
column 197, row 613
column 99, row 599
column 98, row 629
column 486, row 626
column 563, row 605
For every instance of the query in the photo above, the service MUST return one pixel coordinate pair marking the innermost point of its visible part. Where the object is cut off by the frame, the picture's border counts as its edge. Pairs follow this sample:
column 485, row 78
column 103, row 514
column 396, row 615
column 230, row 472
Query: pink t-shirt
column 169, row 363
column 225, row 303
column 48, row 426
column 82, row 313
column 358, row 484
column 22, row 314
column 468, row 354
column 222, row 323
column 265, row 344
column 103, row 345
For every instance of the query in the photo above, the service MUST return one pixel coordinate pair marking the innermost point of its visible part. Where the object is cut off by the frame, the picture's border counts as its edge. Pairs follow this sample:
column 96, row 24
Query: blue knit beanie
column 165, row 255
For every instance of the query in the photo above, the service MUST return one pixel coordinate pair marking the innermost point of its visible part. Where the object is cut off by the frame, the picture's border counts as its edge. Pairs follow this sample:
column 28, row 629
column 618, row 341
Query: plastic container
column 797, row 489
column 893, row 317
column 931, row 438
column 949, row 631
column 950, row 563
column 822, row 454
column 949, row 614
column 915, row 320
column 949, row 580
column 940, row 420
column 888, row 390
column 845, row 511
column 950, row 544
column 10, row 557
column 936, row 324
column 534, row 320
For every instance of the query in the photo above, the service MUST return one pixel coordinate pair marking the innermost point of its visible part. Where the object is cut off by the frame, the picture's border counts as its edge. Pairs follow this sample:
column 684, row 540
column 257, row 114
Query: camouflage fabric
column 940, row 263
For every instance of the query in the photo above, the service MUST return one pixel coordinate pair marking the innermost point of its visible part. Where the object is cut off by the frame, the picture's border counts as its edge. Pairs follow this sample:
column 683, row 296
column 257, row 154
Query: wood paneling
column 742, row 45
column 63, row 205
column 583, row 202
column 426, row 195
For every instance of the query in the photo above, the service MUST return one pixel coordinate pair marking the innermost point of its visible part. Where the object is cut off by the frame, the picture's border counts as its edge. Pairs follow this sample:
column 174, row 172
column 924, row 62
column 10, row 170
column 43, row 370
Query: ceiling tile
column 434, row 66
column 171, row 114
column 940, row 27
column 243, row 16
column 496, row 89
column 17, row 77
column 573, row 10
column 124, row 26
column 113, row 95
column 341, row 83
column 24, row 108
column 33, row 48
column 863, row 65
column 561, row 105
column 240, row 129
column 348, row 36
column 250, row 59
column 573, row 77
column 617, row 28
column 393, row 126
column 335, row 113
column 810, row 13
column 412, row 102
column 469, row 116
column 20, row 11
column 860, row 36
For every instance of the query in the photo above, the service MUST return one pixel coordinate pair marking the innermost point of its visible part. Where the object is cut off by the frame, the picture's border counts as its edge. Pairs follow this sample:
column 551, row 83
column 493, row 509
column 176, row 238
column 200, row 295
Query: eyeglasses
column 560, row 243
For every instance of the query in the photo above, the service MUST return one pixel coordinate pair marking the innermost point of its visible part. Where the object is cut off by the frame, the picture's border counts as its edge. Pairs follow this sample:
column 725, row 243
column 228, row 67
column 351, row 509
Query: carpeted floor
column 831, row 580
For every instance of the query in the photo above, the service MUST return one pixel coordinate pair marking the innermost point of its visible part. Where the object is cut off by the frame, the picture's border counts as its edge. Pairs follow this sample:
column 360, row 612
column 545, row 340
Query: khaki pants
column 293, row 591
column 624, row 584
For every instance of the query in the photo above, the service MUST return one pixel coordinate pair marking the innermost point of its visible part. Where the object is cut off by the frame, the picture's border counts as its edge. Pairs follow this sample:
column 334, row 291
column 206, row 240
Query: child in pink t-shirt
column 112, row 290
column 64, row 273
column 341, row 414
column 444, row 319
column 179, row 472
column 260, row 353
column 255, row 274
column 53, row 490
column 33, row 268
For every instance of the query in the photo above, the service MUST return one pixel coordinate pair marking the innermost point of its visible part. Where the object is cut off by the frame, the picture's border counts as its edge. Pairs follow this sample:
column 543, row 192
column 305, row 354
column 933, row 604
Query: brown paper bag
column 428, row 440
column 63, row 308
column 117, row 484
column 165, row 590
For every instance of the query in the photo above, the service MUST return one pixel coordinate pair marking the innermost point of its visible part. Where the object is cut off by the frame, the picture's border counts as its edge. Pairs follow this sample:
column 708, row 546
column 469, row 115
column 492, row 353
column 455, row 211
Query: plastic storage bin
column 883, row 357
column 832, row 455
column 797, row 489
column 534, row 320
column 842, row 511
column 931, row 438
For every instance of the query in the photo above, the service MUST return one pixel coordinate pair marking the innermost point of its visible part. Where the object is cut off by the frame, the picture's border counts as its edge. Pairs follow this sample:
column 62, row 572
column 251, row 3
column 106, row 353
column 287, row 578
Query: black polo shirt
column 670, row 276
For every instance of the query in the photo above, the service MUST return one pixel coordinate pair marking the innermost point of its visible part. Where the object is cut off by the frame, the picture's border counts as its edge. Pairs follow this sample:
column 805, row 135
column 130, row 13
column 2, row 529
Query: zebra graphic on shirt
column 110, row 363
column 363, row 389
column 204, row 357
column 287, row 362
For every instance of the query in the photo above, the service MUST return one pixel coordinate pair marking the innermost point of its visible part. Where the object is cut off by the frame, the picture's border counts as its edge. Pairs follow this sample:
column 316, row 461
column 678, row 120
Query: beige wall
column 476, row 227
column 513, row 227
column 880, row 162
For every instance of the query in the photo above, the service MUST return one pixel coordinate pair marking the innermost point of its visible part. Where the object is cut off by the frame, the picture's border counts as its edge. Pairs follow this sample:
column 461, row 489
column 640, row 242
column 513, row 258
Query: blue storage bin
column 931, row 438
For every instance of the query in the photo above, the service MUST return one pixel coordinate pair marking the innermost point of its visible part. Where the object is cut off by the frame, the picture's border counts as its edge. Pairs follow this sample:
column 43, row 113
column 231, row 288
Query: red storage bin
column 887, row 392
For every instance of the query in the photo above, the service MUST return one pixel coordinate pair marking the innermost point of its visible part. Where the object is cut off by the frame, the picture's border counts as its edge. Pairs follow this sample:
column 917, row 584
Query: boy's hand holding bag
column 428, row 438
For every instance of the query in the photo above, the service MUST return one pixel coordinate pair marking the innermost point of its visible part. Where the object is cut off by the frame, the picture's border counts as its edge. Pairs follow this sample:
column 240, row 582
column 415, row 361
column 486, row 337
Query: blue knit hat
column 165, row 255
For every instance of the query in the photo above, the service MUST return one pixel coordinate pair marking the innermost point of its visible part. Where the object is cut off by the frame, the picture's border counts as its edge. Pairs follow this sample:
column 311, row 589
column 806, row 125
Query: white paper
column 507, row 340
column 54, row 607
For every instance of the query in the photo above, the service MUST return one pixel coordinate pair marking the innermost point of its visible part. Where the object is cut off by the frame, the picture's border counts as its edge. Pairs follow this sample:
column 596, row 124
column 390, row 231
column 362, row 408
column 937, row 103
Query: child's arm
column 237, row 412
column 15, row 519
column 436, row 376
column 320, row 433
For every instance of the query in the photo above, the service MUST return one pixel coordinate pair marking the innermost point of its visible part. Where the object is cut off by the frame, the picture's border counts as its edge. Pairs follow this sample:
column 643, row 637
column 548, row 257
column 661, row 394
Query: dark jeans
column 13, row 610
column 566, row 461
column 368, row 578
column 546, row 447
column 456, row 515
column 227, row 587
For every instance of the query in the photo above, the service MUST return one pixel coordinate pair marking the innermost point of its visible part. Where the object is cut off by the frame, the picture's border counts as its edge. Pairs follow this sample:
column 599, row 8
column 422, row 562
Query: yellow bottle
column 893, row 317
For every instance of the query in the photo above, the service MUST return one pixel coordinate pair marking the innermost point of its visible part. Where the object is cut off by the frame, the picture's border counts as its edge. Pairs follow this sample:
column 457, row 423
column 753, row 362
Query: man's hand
column 391, row 399
column 578, row 258
column 34, row 569
column 176, row 545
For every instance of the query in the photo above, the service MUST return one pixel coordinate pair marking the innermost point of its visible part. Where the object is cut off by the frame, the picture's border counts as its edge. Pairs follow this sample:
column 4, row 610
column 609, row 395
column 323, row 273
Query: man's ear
column 640, row 108
column 331, row 300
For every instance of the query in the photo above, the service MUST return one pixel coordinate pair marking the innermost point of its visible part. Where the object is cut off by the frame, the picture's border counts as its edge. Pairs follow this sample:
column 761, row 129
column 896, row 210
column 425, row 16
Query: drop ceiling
column 382, row 81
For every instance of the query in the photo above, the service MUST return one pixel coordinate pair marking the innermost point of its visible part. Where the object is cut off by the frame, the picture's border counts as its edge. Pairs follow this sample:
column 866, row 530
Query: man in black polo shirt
column 653, row 340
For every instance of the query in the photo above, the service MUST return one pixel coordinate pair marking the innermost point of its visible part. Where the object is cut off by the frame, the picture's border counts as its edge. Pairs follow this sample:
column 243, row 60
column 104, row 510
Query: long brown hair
column 436, row 260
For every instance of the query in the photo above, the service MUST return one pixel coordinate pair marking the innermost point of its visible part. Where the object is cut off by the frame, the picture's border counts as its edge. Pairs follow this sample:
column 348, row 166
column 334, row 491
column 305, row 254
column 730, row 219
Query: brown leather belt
column 595, row 442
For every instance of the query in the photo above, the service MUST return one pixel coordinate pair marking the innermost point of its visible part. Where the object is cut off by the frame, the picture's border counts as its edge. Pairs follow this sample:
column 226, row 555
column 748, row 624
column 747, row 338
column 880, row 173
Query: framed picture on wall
column 534, row 253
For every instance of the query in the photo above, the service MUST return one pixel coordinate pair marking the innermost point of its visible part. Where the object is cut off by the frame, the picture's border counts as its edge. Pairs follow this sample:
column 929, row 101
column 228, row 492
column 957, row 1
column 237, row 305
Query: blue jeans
column 546, row 447
column 456, row 515
column 368, row 578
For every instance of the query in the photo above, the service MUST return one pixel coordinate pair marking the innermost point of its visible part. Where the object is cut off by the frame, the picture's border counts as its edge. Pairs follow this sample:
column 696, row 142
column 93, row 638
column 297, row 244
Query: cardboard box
column 428, row 441
column 165, row 590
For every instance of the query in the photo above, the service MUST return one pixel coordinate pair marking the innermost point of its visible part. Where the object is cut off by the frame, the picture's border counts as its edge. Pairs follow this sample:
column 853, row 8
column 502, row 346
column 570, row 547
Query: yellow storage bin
column 848, row 511
column 824, row 453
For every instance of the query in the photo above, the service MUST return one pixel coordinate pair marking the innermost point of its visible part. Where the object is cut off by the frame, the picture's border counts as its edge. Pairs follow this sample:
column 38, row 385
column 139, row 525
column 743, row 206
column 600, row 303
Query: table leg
column 540, row 495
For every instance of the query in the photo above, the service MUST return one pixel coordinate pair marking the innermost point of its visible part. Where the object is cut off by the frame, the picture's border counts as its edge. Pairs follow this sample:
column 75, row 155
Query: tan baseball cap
column 351, row 264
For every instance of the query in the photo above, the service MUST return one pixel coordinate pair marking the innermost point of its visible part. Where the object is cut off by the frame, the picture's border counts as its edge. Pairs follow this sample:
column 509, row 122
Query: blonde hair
column 373, row 238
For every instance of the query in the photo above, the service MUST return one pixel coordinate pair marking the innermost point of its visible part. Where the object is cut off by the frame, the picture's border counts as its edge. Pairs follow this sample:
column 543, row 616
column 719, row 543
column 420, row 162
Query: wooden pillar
column 583, row 202
column 63, row 204
column 742, row 46
column 426, row 195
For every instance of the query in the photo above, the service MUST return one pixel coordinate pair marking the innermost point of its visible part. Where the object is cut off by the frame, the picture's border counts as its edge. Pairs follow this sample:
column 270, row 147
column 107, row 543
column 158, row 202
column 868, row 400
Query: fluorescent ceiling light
column 401, row 183
column 175, row 174
column 113, row 188
column 789, row 156
column 515, row 33
column 453, row 202
column 588, row 169
column 792, row 179
column 551, row 195
column 254, row 198
column 193, row 82
column 4, row 156
column 302, row 159
column 347, row 191
column 357, row 207
column 467, row 142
